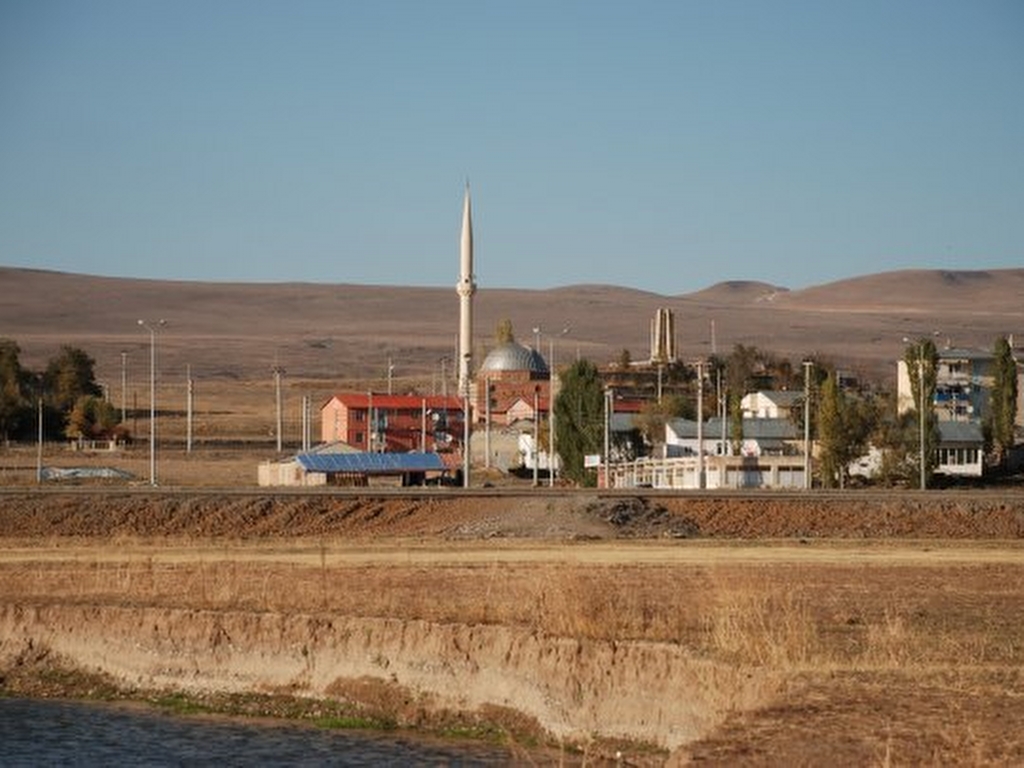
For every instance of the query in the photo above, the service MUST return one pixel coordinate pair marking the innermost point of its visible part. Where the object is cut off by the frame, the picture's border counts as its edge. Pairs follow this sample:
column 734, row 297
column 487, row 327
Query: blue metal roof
column 371, row 463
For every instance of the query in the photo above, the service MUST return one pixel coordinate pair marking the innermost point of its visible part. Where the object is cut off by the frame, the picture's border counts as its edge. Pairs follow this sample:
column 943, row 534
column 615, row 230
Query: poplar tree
column 922, row 360
column 14, row 403
column 1003, row 400
column 832, row 433
column 579, row 419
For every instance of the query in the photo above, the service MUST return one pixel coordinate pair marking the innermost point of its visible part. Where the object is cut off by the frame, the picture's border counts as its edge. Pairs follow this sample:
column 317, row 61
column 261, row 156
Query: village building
column 963, row 383
column 382, row 423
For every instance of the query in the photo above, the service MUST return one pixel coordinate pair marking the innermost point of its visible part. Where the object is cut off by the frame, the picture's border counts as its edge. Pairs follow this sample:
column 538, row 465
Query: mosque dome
column 513, row 356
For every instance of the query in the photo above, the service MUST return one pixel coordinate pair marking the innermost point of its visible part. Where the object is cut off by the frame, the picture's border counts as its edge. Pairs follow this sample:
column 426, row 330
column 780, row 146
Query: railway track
column 1009, row 495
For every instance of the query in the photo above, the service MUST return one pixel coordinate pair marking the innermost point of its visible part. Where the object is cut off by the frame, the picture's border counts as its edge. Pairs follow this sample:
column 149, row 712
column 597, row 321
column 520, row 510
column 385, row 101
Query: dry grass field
column 850, row 653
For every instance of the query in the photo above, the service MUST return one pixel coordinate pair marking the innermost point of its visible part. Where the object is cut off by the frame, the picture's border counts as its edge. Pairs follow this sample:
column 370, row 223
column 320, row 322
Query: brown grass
column 892, row 661
column 813, row 618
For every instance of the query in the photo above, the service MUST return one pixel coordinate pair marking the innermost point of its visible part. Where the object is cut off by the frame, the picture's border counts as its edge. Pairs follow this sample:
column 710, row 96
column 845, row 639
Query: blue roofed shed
column 358, row 469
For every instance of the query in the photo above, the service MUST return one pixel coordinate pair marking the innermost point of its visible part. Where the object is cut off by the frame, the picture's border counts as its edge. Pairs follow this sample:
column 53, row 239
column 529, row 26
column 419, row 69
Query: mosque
column 513, row 384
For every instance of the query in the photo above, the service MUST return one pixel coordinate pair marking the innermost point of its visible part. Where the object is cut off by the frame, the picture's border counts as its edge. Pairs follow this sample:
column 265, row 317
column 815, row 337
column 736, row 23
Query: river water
column 68, row 733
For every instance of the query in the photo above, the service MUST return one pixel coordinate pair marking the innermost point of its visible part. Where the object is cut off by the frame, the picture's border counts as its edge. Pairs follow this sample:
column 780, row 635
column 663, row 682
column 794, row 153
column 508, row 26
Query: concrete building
column 963, row 383
column 776, row 404
column 761, row 437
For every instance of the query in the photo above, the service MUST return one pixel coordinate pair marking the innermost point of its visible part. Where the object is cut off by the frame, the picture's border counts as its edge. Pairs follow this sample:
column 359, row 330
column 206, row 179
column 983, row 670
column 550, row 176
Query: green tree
column 15, row 405
column 68, row 376
column 579, row 419
column 1002, row 415
column 831, row 433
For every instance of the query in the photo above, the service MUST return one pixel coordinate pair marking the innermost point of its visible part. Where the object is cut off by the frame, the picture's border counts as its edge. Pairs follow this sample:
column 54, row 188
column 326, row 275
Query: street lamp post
column 536, row 436
column 920, row 411
column 807, row 423
column 152, row 397
column 700, row 424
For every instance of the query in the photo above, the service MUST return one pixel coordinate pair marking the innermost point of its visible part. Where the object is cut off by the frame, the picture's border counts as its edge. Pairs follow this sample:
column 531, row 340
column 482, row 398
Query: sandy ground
column 656, row 627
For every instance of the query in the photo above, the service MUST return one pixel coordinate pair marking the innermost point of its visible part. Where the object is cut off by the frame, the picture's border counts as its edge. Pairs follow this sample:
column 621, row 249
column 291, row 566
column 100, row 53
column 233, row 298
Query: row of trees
column 65, row 392
column 844, row 421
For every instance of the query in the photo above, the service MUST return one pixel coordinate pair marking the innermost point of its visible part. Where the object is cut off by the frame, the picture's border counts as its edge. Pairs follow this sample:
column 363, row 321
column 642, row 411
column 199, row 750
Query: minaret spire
column 466, row 288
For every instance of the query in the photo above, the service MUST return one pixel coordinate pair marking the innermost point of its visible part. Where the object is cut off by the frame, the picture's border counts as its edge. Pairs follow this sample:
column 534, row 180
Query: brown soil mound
column 566, row 516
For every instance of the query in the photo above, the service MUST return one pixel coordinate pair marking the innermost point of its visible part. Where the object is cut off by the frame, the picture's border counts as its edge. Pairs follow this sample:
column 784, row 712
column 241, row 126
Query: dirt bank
column 569, row 516
column 575, row 618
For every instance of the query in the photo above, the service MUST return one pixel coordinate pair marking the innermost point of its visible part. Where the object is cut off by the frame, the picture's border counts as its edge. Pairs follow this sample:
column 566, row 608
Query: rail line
column 1012, row 496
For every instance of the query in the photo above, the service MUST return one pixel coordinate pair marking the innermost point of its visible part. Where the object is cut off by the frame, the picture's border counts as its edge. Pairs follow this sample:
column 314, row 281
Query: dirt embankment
column 571, row 516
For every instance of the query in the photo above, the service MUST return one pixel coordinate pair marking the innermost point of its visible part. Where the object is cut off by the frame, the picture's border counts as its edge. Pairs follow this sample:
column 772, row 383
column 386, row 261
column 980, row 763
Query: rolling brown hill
column 344, row 332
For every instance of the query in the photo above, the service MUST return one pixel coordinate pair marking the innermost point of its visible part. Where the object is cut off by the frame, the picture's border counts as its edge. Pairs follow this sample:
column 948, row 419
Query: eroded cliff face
column 576, row 689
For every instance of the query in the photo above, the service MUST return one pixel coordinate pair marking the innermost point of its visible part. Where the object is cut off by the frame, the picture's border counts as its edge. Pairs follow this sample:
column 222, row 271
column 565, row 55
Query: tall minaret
column 466, row 288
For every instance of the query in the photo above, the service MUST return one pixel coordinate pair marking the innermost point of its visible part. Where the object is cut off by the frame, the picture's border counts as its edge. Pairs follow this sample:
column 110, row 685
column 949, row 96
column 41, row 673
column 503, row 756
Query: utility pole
column 152, row 397
column 609, row 405
column 487, row 420
column 536, row 436
column 39, row 441
column 700, row 423
column 278, row 370
column 189, row 401
column 807, row 423
column 124, row 384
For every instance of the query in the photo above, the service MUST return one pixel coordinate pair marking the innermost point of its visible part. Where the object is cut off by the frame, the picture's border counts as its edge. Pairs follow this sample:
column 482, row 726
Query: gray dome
column 513, row 356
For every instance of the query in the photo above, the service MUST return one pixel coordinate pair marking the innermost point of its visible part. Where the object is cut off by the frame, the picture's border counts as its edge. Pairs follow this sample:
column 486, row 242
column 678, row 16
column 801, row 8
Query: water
column 86, row 734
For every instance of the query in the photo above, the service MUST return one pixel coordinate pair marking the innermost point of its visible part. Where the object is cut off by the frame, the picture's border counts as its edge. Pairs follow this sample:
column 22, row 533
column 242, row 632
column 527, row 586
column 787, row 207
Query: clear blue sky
column 664, row 146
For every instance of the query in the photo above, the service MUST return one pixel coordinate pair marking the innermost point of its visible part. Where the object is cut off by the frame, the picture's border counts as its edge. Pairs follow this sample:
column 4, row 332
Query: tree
column 625, row 359
column 654, row 416
column 922, row 361
column 68, row 376
column 1002, row 415
column 579, row 419
column 503, row 333
column 15, row 404
column 845, row 425
column 92, row 417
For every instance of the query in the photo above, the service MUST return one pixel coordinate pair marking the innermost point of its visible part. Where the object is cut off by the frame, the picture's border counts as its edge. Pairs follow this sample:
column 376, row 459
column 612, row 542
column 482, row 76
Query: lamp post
column 152, row 396
column 807, row 423
column 124, row 385
column 609, row 407
column 279, row 425
column 920, row 411
column 700, row 424
column 39, row 437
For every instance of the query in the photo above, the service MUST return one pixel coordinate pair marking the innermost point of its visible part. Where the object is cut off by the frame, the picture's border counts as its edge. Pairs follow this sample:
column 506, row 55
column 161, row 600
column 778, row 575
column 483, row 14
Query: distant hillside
column 977, row 291
column 241, row 330
column 737, row 292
